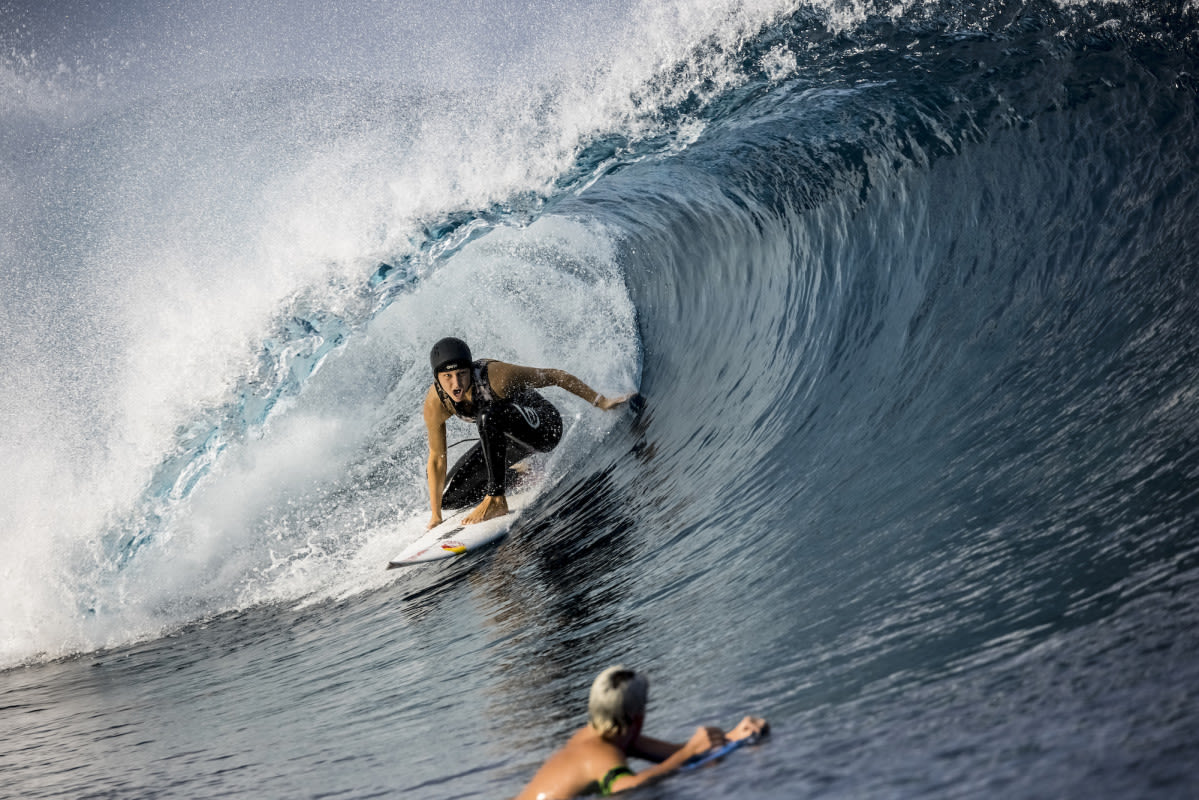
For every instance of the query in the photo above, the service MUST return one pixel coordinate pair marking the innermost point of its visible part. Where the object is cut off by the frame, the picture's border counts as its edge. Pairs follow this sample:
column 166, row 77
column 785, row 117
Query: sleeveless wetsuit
column 509, row 430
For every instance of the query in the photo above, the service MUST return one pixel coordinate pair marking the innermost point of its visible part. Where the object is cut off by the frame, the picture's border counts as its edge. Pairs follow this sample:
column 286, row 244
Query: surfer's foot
column 492, row 506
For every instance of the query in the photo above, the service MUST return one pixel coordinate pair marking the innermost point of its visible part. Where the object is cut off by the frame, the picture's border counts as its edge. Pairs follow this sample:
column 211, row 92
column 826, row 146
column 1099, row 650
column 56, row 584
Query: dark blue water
column 914, row 301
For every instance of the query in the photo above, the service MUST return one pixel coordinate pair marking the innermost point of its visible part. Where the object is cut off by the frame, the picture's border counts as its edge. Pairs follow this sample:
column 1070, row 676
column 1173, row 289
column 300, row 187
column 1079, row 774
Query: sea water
column 910, row 291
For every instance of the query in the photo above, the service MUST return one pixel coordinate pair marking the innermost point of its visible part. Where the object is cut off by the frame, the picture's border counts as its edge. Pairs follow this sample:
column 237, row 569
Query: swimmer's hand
column 750, row 726
column 704, row 739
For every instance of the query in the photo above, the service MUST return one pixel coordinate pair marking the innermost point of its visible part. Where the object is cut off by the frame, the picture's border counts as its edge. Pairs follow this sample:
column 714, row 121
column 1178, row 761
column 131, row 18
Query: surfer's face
column 455, row 383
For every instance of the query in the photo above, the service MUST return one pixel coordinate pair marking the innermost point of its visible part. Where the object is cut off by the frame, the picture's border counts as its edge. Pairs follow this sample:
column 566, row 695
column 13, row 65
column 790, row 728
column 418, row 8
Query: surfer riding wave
column 513, row 418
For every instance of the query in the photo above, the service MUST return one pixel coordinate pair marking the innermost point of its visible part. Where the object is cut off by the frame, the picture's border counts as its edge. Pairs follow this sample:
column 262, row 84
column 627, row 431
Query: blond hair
column 618, row 697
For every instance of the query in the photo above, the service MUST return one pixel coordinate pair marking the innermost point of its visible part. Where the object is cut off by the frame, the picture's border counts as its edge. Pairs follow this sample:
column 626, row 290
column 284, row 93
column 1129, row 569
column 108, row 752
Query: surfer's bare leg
column 492, row 506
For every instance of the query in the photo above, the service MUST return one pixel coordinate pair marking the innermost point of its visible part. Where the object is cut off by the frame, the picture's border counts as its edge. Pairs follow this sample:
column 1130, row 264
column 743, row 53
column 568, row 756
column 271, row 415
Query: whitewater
column 911, row 291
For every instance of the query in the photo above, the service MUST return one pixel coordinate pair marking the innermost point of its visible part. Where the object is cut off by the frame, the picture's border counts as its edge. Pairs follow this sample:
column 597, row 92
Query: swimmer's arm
column 655, row 750
column 703, row 740
column 435, row 419
column 509, row 378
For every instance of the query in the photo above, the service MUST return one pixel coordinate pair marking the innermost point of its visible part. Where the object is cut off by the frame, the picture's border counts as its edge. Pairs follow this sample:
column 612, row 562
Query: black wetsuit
column 509, row 429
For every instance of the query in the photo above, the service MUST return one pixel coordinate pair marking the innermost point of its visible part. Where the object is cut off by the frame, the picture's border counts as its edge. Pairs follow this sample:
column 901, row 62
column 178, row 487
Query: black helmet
column 449, row 354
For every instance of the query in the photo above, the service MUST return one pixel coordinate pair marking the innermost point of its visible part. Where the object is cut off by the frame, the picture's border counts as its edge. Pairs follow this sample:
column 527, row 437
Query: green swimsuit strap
column 605, row 784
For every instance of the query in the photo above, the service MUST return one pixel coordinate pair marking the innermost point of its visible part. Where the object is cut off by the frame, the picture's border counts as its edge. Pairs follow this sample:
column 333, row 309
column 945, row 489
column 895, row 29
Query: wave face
column 911, row 292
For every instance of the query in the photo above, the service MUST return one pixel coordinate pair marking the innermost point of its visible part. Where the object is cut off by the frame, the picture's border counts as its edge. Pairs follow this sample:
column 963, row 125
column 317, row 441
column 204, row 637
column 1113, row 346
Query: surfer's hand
column 704, row 739
column 608, row 403
column 750, row 726
column 492, row 506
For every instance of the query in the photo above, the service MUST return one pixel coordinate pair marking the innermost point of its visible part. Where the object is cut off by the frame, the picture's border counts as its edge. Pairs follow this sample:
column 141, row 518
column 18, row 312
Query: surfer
column 595, row 759
column 513, row 419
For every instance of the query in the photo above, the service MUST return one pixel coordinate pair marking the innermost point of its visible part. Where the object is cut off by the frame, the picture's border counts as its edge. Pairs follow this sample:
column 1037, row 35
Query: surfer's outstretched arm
column 509, row 378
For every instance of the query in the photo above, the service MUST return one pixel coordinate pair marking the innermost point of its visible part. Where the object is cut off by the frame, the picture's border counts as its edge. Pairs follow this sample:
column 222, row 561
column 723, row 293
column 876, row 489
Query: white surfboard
column 452, row 538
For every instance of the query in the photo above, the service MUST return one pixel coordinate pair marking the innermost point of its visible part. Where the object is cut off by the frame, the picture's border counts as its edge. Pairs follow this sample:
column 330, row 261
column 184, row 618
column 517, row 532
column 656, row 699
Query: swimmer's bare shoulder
column 573, row 768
